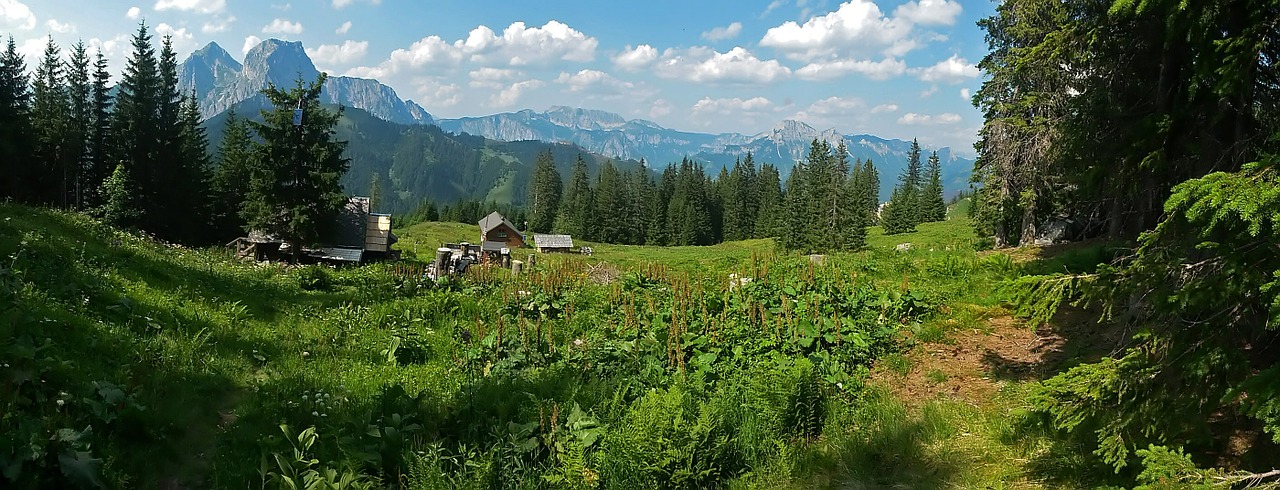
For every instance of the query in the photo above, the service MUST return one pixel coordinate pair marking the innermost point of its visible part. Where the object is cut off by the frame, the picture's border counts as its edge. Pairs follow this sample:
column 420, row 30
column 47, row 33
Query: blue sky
column 897, row 69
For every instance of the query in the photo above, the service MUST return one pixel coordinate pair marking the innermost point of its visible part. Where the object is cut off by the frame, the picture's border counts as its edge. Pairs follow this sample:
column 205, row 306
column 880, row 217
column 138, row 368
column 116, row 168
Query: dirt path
column 972, row 365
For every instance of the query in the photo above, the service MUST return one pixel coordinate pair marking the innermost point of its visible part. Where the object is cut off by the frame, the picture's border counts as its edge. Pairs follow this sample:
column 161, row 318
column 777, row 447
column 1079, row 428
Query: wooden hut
column 495, row 229
column 553, row 243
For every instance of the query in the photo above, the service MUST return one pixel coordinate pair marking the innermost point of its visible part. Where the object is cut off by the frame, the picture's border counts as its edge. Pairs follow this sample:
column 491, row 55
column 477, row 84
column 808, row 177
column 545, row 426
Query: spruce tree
column 193, row 176
column 576, row 206
column 659, row 231
column 135, row 115
column 234, row 163
column 640, row 189
column 80, row 118
column 769, row 207
column 870, row 197
column 544, row 193
column 296, row 190
column 932, row 204
column 17, row 172
column 796, row 215
column 611, row 207
column 119, row 198
column 99, row 161
column 49, row 117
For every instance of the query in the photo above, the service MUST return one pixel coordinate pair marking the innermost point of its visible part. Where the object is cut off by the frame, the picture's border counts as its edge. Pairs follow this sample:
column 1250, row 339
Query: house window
column 502, row 235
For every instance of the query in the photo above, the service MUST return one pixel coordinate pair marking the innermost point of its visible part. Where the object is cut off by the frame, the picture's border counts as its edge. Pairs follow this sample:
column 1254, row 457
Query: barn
column 553, row 243
column 495, row 229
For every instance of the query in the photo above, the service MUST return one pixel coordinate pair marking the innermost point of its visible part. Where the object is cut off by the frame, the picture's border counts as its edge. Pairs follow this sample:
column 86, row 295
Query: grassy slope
column 219, row 352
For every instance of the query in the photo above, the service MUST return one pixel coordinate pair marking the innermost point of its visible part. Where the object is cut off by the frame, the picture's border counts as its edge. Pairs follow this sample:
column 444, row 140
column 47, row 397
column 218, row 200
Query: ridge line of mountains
column 397, row 138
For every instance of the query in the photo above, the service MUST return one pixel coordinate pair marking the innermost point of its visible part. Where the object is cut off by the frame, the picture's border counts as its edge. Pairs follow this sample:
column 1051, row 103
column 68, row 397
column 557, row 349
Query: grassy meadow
column 127, row 363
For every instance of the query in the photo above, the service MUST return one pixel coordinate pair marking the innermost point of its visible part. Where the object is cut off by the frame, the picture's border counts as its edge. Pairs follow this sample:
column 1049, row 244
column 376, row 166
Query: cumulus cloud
column 964, row 93
column 343, row 3
column 913, row 119
column 519, row 45
column 436, row 93
column 721, row 33
column 733, row 106
column 660, row 108
column 595, row 82
column 926, row 93
column 342, row 29
column 510, row 95
column 706, row 65
column 133, row 13
column 884, row 108
column 217, row 25
column 59, row 27
column 249, row 42
column 951, row 70
column 876, row 70
column 633, row 59
column 281, row 26
column 198, row 6
column 929, row 12
column 339, row 54
column 493, row 77
column 17, row 14
column 858, row 28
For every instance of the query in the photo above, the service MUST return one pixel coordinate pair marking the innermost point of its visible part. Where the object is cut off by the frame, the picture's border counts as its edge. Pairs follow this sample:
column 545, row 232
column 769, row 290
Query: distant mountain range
column 221, row 83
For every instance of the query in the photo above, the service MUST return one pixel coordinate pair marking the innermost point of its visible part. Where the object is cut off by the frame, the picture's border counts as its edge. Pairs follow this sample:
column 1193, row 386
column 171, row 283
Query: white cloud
column 17, row 14
column 721, row 33
column 926, row 93
column 913, row 119
column 595, row 81
column 876, row 70
column 198, row 6
column 33, row 50
column 346, row 26
column 493, row 77
column 249, row 42
column 929, row 12
column 964, row 93
column 705, row 65
column 283, row 7
column 343, row 3
column 339, row 54
column 884, row 108
column 183, row 40
column 660, row 107
column 435, row 93
column 830, row 107
column 281, row 26
column 133, row 13
column 517, row 46
column 856, row 24
column 510, row 95
column 635, row 59
column 217, row 25
column 60, row 27
column 734, row 106
column 951, row 70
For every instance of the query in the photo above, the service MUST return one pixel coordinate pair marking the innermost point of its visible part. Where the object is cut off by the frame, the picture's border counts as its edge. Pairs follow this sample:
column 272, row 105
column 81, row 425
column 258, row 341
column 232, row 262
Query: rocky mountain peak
column 276, row 60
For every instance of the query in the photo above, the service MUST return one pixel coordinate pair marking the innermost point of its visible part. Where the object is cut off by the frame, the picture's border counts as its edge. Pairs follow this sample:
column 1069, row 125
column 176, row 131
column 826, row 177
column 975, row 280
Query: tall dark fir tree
column 545, row 187
column 17, row 174
column 295, row 191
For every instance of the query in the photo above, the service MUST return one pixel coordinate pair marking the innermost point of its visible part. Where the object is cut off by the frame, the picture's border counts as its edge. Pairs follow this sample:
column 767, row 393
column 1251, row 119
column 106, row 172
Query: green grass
column 464, row 387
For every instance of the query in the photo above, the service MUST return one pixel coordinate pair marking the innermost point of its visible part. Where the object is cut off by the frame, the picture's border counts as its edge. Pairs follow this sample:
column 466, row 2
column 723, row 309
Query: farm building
column 497, row 233
column 358, row 236
column 553, row 243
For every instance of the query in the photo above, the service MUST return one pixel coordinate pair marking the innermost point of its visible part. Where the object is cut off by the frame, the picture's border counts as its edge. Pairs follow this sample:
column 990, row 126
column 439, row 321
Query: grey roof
column 336, row 253
column 492, row 221
column 553, row 241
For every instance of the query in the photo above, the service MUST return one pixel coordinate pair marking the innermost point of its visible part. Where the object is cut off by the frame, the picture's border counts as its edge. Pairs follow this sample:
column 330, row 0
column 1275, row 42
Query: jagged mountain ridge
column 611, row 134
column 220, row 82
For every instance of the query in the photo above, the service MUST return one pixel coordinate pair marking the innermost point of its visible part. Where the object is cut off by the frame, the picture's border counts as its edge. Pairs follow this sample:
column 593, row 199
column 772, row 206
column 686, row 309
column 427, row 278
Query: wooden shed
column 495, row 228
column 553, row 243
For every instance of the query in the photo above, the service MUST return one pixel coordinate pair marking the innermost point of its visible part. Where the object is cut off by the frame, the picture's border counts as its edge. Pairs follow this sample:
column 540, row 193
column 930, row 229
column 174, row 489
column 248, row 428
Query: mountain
column 418, row 162
column 220, row 82
column 610, row 134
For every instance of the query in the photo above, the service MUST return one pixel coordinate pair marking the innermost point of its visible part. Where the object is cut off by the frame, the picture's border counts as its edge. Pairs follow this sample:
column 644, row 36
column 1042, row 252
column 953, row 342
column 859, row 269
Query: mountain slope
column 422, row 162
column 221, row 83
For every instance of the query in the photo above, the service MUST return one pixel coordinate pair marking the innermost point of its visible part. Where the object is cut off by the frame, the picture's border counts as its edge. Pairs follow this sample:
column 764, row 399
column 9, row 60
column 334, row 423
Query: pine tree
column 119, row 197
column 688, row 216
column 17, row 173
column 905, row 208
column 796, row 216
column 296, row 187
column 611, row 207
column 576, row 206
column 375, row 192
column 659, row 231
column 193, row 176
column 640, row 188
column 870, row 197
column 49, row 113
column 934, row 207
column 544, row 193
column 733, row 191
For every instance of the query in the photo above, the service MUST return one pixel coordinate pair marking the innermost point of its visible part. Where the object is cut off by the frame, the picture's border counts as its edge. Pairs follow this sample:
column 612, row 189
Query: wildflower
column 577, row 342
column 304, row 396
column 306, row 354
column 315, row 413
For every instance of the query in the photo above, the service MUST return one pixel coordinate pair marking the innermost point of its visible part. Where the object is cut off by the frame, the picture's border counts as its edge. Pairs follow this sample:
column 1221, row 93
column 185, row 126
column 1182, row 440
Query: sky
column 884, row 67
